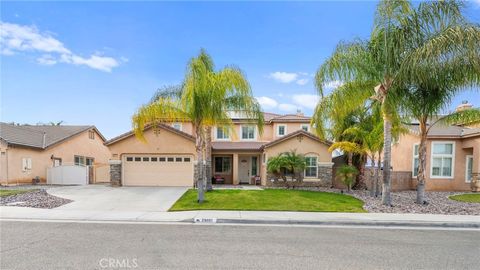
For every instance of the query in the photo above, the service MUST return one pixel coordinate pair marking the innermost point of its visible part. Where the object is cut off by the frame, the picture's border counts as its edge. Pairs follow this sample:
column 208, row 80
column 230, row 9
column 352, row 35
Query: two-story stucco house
column 27, row 151
column 239, row 153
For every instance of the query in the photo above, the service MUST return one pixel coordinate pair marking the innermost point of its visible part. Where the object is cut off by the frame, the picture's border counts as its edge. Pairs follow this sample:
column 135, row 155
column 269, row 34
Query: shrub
column 347, row 175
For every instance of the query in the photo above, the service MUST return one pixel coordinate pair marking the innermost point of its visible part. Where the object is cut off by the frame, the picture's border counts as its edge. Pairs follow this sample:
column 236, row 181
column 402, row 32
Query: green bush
column 347, row 175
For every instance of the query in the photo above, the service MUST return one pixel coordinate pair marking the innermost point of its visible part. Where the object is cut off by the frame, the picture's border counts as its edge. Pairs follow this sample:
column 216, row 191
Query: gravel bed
column 36, row 199
column 404, row 202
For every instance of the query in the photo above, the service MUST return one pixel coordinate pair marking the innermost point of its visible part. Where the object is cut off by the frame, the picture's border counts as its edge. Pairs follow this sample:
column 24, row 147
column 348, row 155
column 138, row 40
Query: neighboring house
column 239, row 153
column 26, row 151
column 453, row 156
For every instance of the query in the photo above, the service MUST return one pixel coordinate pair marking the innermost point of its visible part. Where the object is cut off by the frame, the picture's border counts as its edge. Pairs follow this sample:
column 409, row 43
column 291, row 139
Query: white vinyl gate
column 67, row 175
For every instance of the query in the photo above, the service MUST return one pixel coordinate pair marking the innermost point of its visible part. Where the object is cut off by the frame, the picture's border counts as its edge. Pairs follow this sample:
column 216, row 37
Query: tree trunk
column 377, row 175
column 208, row 157
column 422, row 162
column 373, row 177
column 360, row 184
column 200, row 165
column 350, row 159
column 387, row 156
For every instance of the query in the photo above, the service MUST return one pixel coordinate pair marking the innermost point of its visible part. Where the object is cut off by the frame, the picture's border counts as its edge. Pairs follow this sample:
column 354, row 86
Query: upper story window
column 177, row 126
column 281, row 130
column 416, row 160
column 222, row 133
column 91, row 134
column 305, row 127
column 248, row 132
column 442, row 159
column 26, row 164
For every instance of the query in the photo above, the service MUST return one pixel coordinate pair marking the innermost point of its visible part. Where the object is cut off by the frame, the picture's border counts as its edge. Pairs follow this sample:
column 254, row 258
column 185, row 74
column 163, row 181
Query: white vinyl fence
column 67, row 175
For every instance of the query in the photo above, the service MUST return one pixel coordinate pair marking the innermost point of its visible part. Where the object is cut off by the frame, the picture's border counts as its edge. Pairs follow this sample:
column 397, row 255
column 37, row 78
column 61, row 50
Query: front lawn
column 470, row 198
column 10, row 192
column 269, row 200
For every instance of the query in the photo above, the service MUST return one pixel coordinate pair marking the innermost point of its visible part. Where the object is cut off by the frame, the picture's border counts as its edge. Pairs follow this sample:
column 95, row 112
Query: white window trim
column 178, row 123
column 254, row 133
column 466, row 168
column 26, row 164
column 413, row 159
column 442, row 155
column 221, row 139
column 278, row 130
column 303, row 125
column 305, row 171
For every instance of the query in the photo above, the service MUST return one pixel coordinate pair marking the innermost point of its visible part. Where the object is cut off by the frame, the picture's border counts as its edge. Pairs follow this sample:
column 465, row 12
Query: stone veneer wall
column 325, row 177
column 115, row 173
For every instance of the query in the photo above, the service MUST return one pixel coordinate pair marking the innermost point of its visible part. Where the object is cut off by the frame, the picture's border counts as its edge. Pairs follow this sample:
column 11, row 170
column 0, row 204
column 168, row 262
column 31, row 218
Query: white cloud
column 46, row 60
column 302, row 81
column 285, row 107
column 267, row 103
column 334, row 84
column 283, row 77
column 20, row 38
column 306, row 100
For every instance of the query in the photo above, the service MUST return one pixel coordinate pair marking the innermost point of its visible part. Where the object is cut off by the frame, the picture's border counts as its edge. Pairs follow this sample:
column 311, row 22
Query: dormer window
column 248, row 132
column 177, row 126
column 281, row 130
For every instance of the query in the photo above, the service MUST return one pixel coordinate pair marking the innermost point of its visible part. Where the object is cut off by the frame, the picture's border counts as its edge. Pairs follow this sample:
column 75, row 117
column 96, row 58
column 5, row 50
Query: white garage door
column 158, row 170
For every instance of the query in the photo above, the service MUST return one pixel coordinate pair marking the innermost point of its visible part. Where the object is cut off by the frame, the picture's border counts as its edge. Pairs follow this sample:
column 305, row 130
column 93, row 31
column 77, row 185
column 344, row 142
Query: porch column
column 115, row 172
column 235, row 169
column 476, row 170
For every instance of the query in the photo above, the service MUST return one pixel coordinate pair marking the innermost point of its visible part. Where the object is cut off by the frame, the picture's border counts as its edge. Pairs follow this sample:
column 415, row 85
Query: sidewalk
column 247, row 217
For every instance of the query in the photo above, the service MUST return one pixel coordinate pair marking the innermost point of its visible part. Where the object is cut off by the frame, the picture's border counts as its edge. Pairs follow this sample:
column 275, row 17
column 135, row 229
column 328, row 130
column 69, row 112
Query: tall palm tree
column 392, row 60
column 206, row 98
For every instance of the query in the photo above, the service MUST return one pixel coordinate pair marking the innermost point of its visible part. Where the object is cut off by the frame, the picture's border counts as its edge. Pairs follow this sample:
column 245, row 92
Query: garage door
column 158, row 170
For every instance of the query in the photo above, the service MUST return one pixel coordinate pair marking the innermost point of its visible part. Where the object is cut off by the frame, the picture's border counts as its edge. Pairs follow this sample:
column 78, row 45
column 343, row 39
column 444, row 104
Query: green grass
column 470, row 198
column 10, row 192
column 269, row 200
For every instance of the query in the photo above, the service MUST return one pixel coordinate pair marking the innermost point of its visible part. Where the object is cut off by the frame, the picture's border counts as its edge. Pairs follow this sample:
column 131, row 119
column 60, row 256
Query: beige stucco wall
column 306, row 146
column 80, row 145
column 402, row 160
column 164, row 141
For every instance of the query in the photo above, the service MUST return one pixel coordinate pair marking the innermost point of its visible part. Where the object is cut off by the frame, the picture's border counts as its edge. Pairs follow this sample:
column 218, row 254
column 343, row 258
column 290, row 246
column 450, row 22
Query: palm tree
column 392, row 60
column 206, row 98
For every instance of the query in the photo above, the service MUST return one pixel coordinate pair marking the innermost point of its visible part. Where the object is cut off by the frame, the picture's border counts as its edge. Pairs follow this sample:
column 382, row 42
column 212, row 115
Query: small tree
column 347, row 175
column 287, row 163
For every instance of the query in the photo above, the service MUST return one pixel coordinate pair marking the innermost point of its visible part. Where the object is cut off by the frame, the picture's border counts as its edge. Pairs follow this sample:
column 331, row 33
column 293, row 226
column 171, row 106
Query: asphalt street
column 56, row 245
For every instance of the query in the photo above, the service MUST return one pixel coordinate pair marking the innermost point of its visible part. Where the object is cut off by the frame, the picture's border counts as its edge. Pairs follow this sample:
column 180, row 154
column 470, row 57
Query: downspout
column 44, row 140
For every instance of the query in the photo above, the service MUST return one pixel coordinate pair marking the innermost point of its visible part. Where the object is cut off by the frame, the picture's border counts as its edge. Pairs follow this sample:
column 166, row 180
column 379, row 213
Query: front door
column 244, row 170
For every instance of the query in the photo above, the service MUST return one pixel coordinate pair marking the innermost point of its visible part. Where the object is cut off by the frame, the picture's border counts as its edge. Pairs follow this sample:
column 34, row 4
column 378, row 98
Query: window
column 187, row 159
column 281, row 130
column 79, row 160
column 178, row 159
column 469, row 170
column 177, row 126
column 146, row 159
column 248, row 132
column 416, row 160
column 222, row 133
column 264, row 158
column 154, row 159
column 91, row 134
column 304, row 127
column 162, row 159
column 170, row 159
column 442, row 160
column 254, row 166
column 138, row 159
column 26, row 164
column 89, row 161
column 222, row 164
column 311, row 167
column 129, row 158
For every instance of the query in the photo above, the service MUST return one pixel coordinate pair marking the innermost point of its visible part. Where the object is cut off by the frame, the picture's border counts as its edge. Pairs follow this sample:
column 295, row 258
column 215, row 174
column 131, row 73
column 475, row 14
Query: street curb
column 439, row 224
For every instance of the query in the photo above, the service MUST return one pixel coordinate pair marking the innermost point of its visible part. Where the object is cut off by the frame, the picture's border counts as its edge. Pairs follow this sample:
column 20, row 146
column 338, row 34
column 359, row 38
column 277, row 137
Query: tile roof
column 164, row 126
column 291, row 117
column 294, row 134
column 39, row 136
column 447, row 131
column 237, row 145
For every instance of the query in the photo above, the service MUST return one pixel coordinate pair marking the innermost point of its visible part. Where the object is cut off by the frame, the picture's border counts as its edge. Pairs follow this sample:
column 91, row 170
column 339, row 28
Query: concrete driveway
column 106, row 198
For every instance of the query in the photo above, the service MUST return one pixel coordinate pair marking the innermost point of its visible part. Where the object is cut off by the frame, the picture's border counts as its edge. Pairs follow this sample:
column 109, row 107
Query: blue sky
column 97, row 62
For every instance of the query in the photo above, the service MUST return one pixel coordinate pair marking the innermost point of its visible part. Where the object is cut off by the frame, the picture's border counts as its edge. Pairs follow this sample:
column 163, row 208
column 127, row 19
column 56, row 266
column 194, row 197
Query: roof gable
column 162, row 126
column 295, row 134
